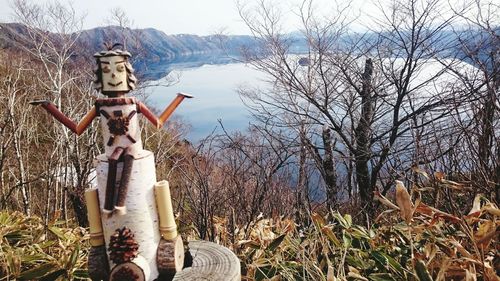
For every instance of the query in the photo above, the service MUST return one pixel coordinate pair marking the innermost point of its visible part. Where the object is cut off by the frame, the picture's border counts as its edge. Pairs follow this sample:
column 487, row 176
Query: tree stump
column 210, row 262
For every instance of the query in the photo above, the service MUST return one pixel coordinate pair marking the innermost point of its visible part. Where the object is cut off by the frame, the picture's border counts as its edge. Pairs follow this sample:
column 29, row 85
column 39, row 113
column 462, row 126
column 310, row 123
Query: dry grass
column 31, row 251
column 409, row 240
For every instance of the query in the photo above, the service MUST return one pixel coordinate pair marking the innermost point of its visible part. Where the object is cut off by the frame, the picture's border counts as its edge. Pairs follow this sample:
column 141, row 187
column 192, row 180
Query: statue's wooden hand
column 54, row 111
column 39, row 102
column 159, row 121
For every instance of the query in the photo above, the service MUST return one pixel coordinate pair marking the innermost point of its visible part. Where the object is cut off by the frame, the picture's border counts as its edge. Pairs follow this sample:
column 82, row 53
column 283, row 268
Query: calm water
column 215, row 90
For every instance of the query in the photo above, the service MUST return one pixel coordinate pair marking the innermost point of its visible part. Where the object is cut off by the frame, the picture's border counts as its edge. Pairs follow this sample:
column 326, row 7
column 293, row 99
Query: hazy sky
column 176, row 16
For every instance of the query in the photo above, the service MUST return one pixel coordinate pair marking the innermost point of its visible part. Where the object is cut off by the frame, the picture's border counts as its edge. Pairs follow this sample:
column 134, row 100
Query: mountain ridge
column 153, row 50
column 148, row 44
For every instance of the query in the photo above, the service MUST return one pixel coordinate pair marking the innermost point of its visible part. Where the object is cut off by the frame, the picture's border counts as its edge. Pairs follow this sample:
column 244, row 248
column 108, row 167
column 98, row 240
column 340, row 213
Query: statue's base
column 141, row 216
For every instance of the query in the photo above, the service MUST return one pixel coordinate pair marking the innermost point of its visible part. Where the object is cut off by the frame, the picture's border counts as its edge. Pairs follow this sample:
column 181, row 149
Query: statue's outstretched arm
column 75, row 128
column 159, row 121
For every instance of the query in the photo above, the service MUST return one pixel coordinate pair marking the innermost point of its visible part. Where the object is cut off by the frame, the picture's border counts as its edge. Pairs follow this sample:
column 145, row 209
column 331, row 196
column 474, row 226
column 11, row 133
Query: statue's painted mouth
column 114, row 85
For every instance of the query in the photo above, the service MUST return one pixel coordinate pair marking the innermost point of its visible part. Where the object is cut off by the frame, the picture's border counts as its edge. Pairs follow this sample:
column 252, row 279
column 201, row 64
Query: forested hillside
column 153, row 45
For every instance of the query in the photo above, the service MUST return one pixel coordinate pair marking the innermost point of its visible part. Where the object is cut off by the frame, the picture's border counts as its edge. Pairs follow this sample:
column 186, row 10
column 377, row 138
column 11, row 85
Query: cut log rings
column 170, row 253
column 127, row 271
column 135, row 270
column 211, row 262
column 170, row 256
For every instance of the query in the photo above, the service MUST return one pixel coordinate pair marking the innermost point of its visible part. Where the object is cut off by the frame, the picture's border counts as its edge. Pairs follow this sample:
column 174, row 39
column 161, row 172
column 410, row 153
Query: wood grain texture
column 170, row 256
column 210, row 262
column 127, row 271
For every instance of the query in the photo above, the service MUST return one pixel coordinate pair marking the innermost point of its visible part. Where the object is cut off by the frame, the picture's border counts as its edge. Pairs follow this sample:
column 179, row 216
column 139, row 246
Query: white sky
column 200, row 17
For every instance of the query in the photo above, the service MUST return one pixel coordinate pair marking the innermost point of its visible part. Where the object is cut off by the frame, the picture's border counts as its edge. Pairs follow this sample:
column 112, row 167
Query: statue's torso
column 119, row 124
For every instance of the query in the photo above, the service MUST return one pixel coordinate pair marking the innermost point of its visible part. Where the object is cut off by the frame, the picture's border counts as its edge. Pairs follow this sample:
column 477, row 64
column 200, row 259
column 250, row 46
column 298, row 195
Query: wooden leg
column 110, row 186
column 109, row 200
column 124, row 181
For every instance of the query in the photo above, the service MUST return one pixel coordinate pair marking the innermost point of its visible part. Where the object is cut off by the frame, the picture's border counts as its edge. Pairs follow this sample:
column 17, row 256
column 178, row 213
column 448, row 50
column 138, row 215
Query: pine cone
column 122, row 246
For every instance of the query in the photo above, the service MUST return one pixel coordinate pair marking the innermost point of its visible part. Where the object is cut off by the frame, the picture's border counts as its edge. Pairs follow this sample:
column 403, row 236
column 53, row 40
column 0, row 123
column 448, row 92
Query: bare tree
column 362, row 116
column 16, row 131
column 242, row 177
column 54, row 29
column 478, row 44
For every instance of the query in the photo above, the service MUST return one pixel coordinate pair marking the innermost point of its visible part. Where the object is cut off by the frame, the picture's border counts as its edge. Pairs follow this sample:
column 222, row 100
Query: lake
column 214, row 86
column 215, row 90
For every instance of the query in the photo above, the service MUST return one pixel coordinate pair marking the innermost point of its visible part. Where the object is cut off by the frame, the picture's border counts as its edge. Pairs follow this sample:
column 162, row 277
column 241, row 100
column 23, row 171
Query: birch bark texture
column 142, row 216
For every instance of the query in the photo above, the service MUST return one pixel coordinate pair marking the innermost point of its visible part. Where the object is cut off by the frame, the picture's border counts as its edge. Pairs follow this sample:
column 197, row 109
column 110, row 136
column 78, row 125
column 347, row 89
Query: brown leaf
column 327, row 230
column 249, row 243
column 430, row 251
column 386, row 212
column 492, row 209
column 379, row 197
column 443, row 268
column 329, row 274
column 318, row 219
column 439, row 176
column 422, row 208
column 289, row 225
column 470, row 275
column 476, row 206
column 404, row 202
column 460, row 248
column 485, row 233
column 420, row 171
column 490, row 275
column 455, row 185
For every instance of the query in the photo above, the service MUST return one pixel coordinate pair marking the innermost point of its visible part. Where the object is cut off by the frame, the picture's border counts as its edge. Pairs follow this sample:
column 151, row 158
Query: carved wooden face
column 114, row 74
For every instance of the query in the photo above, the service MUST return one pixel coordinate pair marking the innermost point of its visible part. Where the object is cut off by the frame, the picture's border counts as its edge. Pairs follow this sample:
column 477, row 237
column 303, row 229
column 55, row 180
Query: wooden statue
column 130, row 214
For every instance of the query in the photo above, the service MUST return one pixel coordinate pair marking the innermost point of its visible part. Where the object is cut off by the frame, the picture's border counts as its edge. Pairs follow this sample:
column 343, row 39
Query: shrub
column 31, row 251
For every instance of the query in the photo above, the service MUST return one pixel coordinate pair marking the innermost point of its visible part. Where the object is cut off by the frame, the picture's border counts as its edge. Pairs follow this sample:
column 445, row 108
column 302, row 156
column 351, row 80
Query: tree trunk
column 497, row 172
column 142, row 215
column 19, row 158
column 329, row 170
column 301, row 191
column 487, row 115
column 79, row 208
column 363, row 140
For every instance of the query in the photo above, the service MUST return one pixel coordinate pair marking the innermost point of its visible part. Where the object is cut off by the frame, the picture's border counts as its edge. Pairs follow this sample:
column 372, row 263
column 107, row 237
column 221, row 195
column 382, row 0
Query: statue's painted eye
column 106, row 69
column 120, row 68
